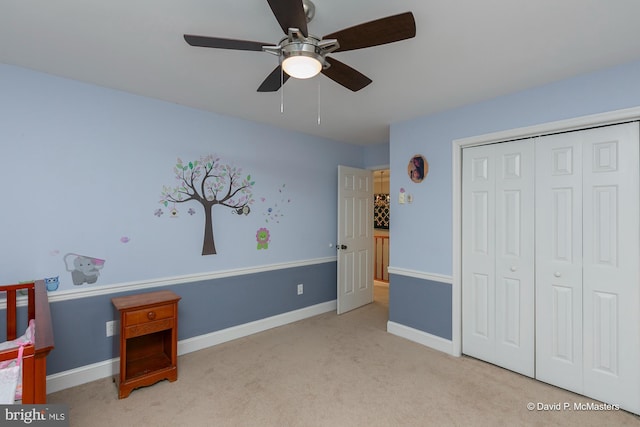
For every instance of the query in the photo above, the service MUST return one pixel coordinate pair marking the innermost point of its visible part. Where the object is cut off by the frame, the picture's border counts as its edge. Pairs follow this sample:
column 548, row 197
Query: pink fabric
column 26, row 339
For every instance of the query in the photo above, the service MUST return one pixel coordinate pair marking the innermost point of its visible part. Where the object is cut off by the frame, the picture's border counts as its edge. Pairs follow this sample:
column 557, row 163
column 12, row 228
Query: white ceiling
column 465, row 51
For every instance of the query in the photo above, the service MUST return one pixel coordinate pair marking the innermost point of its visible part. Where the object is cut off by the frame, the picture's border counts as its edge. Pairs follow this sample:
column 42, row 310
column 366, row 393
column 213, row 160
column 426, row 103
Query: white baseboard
column 82, row 375
column 107, row 368
column 421, row 337
column 235, row 332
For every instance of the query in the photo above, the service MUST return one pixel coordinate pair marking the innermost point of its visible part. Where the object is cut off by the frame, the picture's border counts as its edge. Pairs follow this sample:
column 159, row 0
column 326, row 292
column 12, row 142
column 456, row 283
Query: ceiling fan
column 303, row 55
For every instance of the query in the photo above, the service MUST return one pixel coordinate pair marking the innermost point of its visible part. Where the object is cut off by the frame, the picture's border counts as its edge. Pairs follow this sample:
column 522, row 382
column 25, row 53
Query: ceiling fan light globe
column 301, row 67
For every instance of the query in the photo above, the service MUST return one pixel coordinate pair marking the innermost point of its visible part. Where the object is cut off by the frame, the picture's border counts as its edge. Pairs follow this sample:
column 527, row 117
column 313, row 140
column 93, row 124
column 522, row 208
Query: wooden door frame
column 578, row 123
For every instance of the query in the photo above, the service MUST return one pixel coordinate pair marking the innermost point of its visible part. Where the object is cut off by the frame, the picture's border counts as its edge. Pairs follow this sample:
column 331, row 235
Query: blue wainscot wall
column 211, row 311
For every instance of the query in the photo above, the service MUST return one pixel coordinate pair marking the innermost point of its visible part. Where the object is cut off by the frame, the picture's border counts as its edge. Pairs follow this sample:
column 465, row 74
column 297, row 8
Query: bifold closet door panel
column 559, row 261
column 478, row 252
column 514, row 270
column 587, row 258
column 611, row 257
column 498, row 255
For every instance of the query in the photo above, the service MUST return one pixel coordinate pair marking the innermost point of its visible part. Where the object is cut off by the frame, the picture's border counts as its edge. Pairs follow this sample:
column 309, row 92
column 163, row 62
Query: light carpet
column 332, row 370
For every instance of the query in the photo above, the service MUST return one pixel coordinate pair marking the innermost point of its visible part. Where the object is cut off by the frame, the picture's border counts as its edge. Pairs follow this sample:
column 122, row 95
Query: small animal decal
column 263, row 237
column 52, row 283
column 244, row 210
column 83, row 269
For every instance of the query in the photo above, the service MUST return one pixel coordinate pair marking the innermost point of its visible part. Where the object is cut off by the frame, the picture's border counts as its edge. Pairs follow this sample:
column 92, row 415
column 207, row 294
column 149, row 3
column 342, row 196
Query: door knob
column 557, row 274
column 514, row 268
column 342, row 246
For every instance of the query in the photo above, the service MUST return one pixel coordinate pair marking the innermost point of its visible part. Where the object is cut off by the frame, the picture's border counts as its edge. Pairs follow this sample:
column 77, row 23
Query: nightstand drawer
column 147, row 328
column 150, row 314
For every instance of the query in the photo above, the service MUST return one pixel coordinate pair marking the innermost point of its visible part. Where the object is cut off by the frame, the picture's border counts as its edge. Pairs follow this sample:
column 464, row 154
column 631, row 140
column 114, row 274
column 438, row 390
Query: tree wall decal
column 210, row 183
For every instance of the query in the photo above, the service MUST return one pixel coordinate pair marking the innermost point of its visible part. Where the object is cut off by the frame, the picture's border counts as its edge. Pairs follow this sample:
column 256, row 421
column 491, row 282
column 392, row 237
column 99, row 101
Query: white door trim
column 601, row 119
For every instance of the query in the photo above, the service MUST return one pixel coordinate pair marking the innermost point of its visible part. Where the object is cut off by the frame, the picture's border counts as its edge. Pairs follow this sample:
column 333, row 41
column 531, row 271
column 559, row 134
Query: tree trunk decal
column 208, row 244
column 210, row 183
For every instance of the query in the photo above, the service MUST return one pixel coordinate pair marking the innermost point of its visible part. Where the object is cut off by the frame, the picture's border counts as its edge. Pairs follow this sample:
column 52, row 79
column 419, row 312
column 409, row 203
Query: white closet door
column 498, row 255
column 611, row 280
column 514, row 271
column 478, row 252
column 587, row 252
column 559, row 261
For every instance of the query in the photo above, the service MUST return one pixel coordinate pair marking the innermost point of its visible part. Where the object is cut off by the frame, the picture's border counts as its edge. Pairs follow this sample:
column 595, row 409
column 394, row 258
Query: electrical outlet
column 300, row 289
column 111, row 328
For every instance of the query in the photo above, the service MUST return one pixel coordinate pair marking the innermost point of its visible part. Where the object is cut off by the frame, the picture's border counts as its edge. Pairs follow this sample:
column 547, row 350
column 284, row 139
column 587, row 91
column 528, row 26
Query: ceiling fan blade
column 272, row 83
column 345, row 75
column 290, row 14
column 216, row 42
column 374, row 33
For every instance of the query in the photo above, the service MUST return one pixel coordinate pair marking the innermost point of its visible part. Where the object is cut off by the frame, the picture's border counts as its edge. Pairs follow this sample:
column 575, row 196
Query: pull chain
column 318, row 100
column 281, row 89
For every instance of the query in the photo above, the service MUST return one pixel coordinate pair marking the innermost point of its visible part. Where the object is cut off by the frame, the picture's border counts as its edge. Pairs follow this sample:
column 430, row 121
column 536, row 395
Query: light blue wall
column 421, row 232
column 376, row 156
column 84, row 166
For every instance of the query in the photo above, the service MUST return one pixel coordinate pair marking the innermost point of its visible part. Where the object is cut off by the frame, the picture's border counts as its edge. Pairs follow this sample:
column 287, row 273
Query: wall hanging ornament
column 418, row 168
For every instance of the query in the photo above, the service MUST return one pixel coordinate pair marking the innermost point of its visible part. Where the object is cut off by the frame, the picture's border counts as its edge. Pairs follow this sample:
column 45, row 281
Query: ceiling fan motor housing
column 306, row 46
column 296, row 45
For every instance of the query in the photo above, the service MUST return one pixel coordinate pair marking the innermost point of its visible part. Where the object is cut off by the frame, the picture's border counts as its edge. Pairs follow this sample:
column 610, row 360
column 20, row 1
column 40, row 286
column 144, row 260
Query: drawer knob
column 151, row 315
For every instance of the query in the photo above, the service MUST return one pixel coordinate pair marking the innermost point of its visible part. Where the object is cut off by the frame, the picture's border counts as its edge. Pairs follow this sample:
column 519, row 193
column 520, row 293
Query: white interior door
column 355, row 238
column 498, row 255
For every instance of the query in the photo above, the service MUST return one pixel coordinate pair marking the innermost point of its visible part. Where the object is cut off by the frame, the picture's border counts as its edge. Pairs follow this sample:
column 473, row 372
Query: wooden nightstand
column 148, row 339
